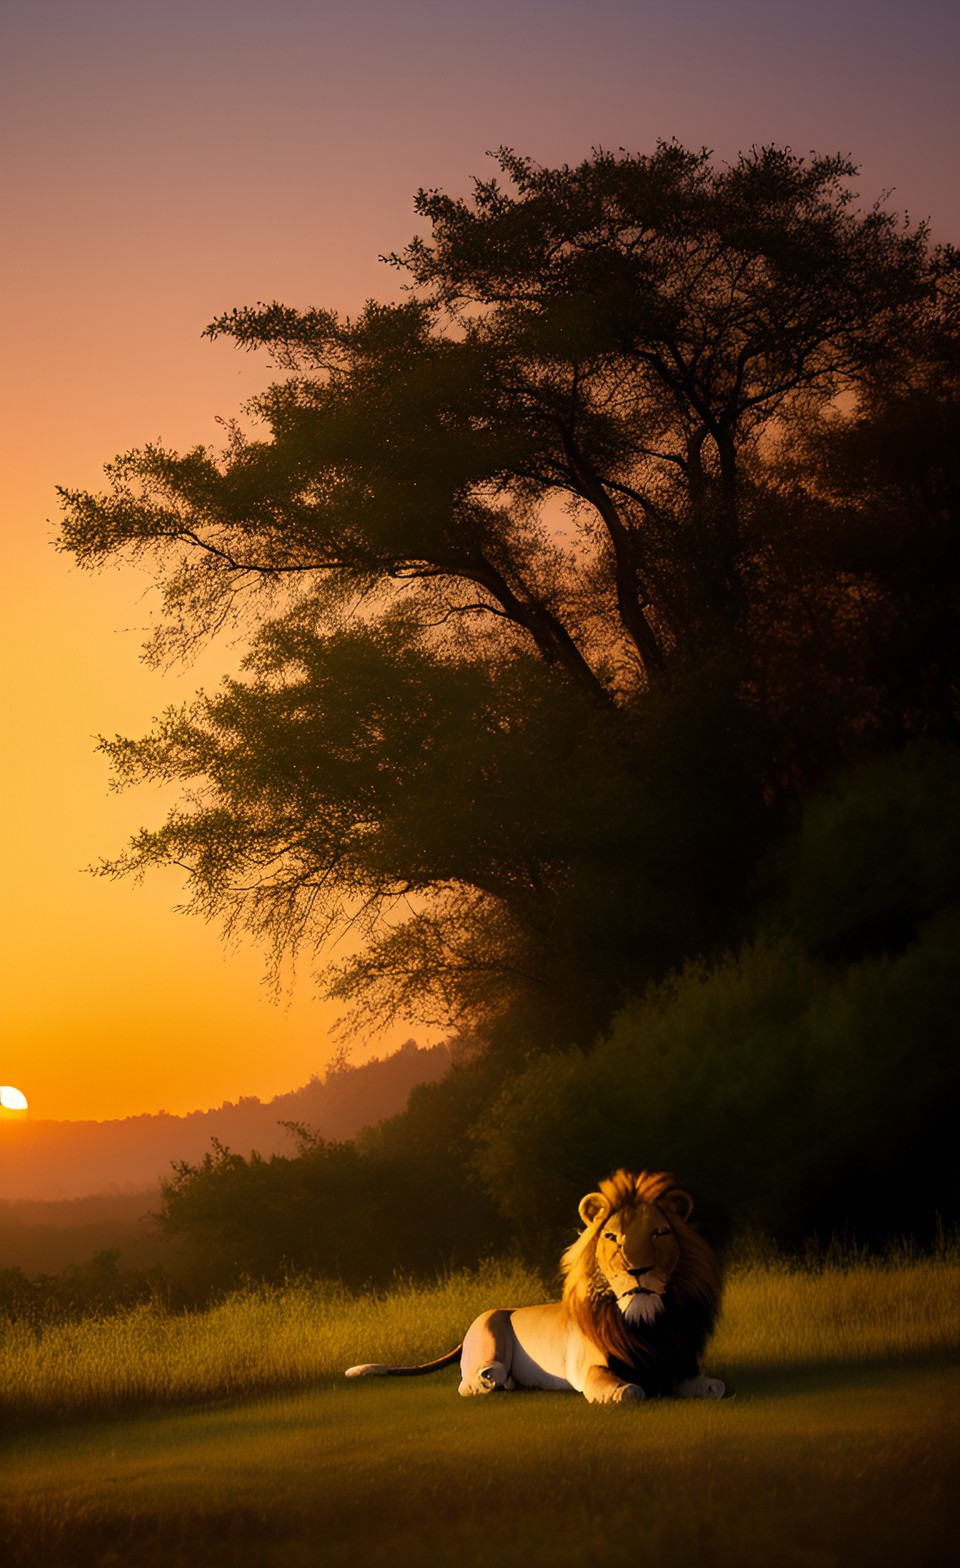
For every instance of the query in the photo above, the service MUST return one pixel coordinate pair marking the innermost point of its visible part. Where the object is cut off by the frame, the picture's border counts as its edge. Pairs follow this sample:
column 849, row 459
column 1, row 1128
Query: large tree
column 512, row 557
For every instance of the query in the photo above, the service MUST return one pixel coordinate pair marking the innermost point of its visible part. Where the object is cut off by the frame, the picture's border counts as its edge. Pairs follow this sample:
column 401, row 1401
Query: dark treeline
column 604, row 673
column 97, row 1288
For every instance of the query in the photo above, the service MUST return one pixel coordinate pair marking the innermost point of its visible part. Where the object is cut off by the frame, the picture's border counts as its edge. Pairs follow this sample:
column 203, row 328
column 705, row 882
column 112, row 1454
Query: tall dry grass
column 259, row 1338
column 788, row 1317
column 290, row 1336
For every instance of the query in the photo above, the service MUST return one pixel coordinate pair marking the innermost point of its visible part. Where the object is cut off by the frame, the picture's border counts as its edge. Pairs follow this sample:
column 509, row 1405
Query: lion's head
column 637, row 1261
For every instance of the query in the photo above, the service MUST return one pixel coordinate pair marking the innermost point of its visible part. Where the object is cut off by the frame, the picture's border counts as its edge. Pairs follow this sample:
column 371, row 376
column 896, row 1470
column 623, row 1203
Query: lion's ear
column 593, row 1207
column 678, row 1202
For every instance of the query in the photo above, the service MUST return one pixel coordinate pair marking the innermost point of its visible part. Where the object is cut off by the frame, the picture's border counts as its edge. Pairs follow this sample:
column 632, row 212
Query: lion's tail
column 374, row 1369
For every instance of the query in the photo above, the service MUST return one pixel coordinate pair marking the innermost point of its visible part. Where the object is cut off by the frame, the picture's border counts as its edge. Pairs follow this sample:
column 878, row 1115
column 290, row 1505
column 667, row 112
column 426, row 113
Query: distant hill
column 60, row 1160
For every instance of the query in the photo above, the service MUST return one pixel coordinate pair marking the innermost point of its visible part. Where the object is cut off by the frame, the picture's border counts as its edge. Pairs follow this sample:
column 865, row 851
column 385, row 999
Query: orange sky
column 168, row 163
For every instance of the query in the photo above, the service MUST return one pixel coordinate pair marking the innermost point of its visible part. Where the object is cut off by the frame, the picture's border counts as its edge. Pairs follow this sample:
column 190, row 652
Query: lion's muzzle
column 648, row 1280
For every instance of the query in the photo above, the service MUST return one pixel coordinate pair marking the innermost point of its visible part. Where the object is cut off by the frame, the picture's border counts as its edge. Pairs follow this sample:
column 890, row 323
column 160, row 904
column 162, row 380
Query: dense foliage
column 805, row 1082
column 399, row 1198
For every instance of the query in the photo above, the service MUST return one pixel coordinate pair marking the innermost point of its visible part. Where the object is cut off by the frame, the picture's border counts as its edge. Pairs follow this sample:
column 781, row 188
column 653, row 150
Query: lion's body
column 641, row 1294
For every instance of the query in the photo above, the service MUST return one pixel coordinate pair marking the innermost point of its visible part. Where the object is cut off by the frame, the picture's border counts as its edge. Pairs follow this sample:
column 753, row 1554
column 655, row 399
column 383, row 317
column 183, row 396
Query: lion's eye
column 608, row 1235
column 663, row 1231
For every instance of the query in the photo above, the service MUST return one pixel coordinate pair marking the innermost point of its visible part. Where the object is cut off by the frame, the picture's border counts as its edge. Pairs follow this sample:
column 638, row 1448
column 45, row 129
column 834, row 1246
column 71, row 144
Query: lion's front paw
column 700, row 1388
column 629, row 1394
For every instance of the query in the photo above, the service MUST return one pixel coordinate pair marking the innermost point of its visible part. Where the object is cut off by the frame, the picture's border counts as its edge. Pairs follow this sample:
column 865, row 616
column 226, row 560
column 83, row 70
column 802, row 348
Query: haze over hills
column 71, row 1189
column 52, row 1161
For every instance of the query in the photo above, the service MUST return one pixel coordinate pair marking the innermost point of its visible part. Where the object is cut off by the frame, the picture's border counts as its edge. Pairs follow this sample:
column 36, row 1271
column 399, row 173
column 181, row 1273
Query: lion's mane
column 656, row 1355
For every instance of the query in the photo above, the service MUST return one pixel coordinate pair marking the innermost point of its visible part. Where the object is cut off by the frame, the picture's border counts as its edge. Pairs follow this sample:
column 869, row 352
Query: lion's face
column 636, row 1252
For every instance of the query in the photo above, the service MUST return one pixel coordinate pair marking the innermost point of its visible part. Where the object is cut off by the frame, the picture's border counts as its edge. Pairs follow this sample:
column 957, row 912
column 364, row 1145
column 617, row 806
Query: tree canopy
column 563, row 576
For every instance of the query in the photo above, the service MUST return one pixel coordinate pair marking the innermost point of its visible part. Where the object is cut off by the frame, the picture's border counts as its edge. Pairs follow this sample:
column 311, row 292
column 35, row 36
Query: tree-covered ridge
column 567, row 577
column 50, row 1160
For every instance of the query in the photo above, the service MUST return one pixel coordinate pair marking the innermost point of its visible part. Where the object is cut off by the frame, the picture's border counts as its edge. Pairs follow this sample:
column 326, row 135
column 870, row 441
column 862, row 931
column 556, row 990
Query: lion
column 641, row 1295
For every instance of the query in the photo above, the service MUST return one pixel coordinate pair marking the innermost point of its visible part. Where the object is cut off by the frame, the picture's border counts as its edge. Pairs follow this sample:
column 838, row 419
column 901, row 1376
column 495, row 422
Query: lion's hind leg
column 488, row 1379
column 487, row 1354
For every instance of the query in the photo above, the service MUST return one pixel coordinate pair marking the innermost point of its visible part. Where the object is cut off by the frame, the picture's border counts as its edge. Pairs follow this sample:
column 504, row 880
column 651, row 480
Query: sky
column 162, row 164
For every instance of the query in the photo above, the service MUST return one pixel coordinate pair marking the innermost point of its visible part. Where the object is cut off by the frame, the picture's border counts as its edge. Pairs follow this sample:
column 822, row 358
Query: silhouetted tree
column 519, row 745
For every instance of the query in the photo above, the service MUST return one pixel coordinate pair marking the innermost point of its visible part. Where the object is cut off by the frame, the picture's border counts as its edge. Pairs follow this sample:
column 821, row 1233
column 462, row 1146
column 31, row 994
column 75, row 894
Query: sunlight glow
column 11, row 1099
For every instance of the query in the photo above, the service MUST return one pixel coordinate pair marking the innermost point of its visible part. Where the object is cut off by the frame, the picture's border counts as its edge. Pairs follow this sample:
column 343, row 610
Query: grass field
column 840, row 1447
